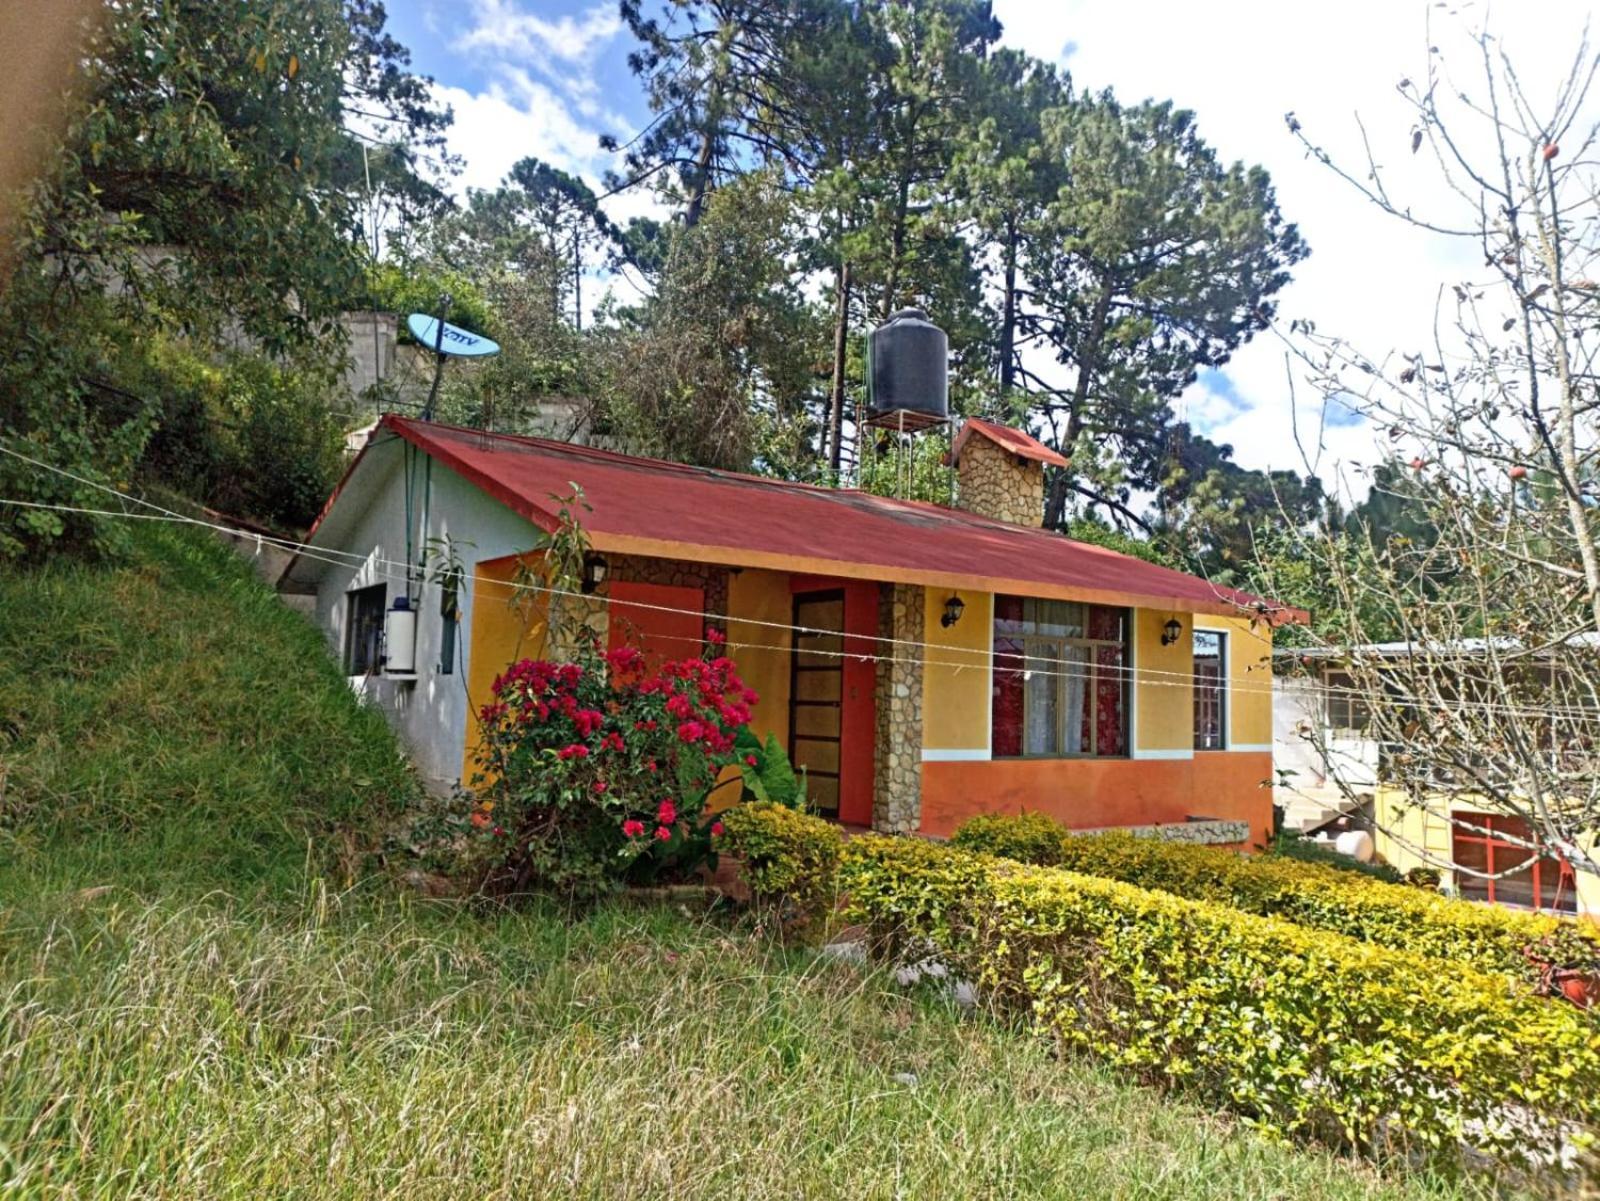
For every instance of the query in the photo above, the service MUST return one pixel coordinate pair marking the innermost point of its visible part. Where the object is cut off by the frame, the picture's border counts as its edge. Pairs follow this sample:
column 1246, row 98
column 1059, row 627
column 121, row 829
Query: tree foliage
column 201, row 192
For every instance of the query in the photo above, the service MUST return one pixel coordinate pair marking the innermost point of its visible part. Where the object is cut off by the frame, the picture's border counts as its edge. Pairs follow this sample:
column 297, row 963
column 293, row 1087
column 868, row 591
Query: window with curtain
column 1210, row 690
column 1060, row 686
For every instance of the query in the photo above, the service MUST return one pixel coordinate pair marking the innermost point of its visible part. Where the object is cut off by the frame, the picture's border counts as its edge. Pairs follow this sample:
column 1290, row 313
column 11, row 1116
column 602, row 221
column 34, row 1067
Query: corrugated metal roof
column 678, row 511
column 1008, row 439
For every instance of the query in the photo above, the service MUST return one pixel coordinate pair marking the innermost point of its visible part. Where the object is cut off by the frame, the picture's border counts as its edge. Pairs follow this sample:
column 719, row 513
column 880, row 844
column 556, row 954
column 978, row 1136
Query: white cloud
column 505, row 28
column 1241, row 67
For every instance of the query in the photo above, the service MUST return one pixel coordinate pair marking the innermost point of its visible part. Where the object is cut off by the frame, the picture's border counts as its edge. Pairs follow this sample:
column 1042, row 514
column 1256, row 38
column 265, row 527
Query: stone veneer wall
column 1206, row 832
column 995, row 483
column 897, row 745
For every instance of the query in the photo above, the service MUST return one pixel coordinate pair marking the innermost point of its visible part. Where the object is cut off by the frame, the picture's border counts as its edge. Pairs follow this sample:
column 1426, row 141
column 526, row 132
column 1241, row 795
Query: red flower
column 667, row 813
column 750, row 760
column 715, row 637
column 575, row 750
column 480, row 819
column 663, row 834
column 632, row 828
column 716, row 829
column 691, row 731
column 599, row 785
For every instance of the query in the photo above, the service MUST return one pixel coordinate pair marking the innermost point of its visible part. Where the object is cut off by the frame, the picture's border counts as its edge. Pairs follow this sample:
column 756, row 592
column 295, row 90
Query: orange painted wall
column 671, row 628
column 1085, row 793
column 501, row 634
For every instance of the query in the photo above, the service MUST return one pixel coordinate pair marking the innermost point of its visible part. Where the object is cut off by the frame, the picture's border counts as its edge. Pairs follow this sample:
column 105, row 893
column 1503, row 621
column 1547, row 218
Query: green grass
column 187, row 1010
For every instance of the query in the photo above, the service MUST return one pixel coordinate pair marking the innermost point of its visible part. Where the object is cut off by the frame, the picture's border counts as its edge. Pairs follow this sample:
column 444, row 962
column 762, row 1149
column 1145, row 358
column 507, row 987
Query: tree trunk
column 1008, row 315
column 577, row 282
column 841, row 344
column 1088, row 359
column 701, row 182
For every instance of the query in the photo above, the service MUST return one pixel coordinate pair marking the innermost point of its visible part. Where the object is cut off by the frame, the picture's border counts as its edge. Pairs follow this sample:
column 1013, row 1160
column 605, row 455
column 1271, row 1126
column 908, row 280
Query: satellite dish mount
column 446, row 341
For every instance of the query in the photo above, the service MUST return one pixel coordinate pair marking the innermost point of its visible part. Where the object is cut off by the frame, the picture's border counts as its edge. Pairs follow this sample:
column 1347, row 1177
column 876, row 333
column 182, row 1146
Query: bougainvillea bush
column 595, row 772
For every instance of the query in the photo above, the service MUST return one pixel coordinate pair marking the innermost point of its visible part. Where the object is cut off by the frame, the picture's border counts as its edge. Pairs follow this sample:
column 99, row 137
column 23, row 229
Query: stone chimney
column 1000, row 472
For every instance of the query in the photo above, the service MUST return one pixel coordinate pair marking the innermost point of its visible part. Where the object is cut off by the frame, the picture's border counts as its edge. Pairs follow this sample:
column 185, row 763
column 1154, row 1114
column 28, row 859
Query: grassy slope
column 184, row 1011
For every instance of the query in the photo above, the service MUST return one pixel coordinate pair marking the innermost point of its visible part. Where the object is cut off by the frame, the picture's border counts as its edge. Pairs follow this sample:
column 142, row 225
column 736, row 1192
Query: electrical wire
column 1139, row 676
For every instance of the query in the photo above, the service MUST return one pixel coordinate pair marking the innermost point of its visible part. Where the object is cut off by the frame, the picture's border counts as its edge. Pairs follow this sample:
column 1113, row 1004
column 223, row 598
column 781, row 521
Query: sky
column 548, row 77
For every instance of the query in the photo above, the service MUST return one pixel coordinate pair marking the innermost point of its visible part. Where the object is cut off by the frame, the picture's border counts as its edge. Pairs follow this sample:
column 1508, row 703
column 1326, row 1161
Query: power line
column 1142, row 676
column 1090, row 670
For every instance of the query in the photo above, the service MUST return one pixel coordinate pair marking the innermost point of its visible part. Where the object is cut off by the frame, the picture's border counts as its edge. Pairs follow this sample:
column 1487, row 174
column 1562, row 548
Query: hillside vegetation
column 202, row 1000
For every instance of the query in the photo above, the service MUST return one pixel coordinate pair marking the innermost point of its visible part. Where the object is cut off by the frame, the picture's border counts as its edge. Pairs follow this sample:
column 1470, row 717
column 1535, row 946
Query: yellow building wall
column 955, row 675
column 1163, row 696
column 1402, row 828
column 761, row 651
column 501, row 634
column 1249, row 678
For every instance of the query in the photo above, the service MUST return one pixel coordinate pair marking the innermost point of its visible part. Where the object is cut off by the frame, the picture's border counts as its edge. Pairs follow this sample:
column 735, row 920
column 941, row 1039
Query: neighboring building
column 1452, row 828
column 967, row 664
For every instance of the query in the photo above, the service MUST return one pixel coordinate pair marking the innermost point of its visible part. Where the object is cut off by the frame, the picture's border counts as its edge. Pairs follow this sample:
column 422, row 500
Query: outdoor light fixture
column 594, row 572
column 953, row 608
column 1171, row 632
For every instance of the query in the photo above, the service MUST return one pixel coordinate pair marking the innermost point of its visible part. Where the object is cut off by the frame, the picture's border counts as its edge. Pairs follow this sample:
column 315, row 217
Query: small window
column 1348, row 714
column 447, row 649
column 1210, row 690
column 363, row 629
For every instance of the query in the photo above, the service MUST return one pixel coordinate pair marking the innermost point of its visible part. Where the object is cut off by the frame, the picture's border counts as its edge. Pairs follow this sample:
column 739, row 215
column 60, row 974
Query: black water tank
column 908, row 372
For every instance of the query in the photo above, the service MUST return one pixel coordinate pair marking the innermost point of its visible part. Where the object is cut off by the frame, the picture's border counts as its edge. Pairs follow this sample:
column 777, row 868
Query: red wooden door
column 832, row 715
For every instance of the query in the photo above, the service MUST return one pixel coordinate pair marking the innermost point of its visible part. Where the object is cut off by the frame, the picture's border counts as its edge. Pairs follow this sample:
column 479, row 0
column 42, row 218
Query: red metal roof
column 651, row 507
column 1012, row 440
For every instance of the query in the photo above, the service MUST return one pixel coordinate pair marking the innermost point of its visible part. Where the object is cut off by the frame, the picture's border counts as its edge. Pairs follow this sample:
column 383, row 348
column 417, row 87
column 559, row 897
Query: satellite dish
column 456, row 341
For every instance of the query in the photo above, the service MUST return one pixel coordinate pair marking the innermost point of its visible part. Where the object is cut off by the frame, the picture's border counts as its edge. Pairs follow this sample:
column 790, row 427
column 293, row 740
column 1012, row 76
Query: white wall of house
column 431, row 713
column 1313, row 793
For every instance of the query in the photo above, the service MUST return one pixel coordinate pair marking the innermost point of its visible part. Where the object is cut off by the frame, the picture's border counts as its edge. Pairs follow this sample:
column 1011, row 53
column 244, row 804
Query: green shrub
column 790, row 858
column 1393, row 915
column 1290, row 844
column 1307, row 1033
column 1025, row 837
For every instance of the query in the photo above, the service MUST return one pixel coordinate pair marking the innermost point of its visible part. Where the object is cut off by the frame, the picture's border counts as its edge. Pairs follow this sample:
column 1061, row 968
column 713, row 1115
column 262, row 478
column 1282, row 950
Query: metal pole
column 438, row 355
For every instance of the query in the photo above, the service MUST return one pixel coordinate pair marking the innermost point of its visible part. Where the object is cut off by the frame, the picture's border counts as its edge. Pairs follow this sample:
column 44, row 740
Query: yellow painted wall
column 955, row 676
column 1249, row 677
column 500, row 636
column 757, row 595
column 1404, row 827
column 1163, row 688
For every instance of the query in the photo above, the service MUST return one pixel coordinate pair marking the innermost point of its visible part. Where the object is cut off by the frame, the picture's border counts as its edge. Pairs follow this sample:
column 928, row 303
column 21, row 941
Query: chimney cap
column 1012, row 441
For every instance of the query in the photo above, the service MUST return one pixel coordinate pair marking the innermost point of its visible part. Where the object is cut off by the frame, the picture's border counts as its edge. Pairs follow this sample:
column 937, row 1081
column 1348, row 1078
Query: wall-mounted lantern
column 953, row 608
column 594, row 573
column 1171, row 632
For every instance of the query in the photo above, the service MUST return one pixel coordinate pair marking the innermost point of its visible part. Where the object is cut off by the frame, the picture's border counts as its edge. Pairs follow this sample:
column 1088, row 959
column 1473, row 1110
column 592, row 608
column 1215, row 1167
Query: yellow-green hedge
column 1305, row 1032
column 1395, row 915
column 789, row 858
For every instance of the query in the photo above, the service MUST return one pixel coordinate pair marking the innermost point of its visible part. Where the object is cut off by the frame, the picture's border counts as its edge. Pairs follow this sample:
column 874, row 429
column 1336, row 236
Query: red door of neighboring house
column 832, row 710
column 1511, row 873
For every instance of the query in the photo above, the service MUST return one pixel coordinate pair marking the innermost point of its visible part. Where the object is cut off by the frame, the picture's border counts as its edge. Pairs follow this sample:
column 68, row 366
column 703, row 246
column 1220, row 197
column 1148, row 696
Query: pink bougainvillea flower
column 667, row 813
column 575, row 750
column 750, row 760
column 663, row 833
column 715, row 636
column 632, row 828
column 599, row 785
column 716, row 829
